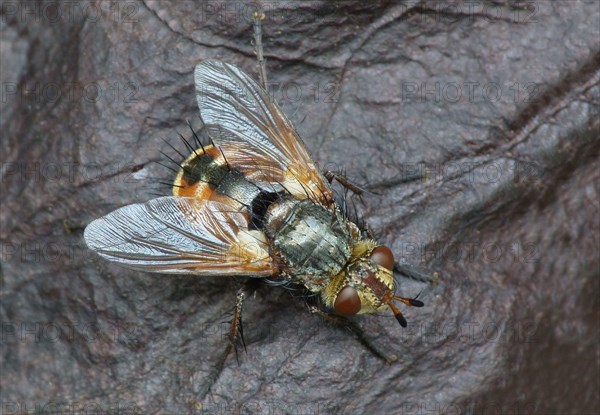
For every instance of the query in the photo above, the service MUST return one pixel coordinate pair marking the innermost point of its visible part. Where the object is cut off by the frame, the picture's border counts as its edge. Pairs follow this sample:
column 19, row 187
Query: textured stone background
column 500, row 103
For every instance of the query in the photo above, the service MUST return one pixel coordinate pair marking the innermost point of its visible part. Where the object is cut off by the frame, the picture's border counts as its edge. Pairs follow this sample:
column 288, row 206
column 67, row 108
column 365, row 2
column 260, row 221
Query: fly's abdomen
column 205, row 175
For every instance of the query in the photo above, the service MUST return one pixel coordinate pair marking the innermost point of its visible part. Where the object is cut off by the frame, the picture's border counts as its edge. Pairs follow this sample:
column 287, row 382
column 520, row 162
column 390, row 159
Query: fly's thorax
column 313, row 241
column 277, row 213
column 365, row 284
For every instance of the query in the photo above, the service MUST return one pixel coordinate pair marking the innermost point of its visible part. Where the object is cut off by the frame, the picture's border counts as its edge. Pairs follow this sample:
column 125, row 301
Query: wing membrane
column 181, row 235
column 254, row 134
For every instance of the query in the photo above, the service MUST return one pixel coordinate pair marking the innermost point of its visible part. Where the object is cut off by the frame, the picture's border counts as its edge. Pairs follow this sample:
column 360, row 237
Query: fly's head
column 366, row 285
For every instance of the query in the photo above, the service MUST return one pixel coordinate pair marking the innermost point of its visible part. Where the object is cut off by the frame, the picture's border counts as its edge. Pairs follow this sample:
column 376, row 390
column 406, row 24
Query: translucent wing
column 253, row 133
column 181, row 235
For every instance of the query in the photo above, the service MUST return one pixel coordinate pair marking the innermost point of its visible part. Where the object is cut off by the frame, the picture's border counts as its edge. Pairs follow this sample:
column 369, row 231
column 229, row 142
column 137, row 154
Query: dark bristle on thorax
column 296, row 290
column 260, row 205
column 347, row 203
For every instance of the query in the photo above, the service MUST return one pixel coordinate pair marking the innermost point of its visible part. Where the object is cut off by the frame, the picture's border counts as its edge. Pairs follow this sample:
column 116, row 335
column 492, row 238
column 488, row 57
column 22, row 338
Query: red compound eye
column 382, row 255
column 347, row 302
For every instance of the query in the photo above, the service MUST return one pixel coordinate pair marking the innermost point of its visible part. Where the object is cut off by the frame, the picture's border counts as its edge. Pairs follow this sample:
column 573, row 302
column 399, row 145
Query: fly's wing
column 181, row 235
column 254, row 135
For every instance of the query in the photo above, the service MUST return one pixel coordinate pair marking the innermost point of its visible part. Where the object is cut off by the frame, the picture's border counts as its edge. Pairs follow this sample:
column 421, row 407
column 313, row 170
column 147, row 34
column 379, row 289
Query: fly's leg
column 343, row 322
column 236, row 329
column 235, row 335
column 344, row 181
column 371, row 188
column 421, row 174
column 236, row 332
column 415, row 273
column 258, row 17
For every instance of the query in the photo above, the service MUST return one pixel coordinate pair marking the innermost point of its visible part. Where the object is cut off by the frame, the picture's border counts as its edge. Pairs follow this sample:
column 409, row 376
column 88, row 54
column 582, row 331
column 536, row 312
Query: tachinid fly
column 252, row 203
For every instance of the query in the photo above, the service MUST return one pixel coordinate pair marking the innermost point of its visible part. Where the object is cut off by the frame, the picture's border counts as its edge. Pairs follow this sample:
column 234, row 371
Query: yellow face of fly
column 367, row 285
column 363, row 287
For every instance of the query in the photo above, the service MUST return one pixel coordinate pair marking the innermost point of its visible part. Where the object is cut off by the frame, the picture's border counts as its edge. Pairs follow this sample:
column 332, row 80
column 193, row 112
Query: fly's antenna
column 408, row 301
column 388, row 299
column 258, row 16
